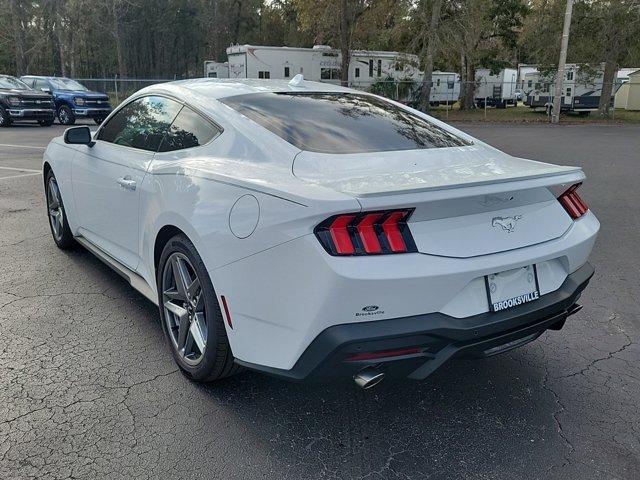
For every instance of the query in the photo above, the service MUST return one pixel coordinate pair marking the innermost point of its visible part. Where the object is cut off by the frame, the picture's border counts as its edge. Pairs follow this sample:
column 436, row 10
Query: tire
column 46, row 123
column 57, row 215
column 98, row 121
column 66, row 116
column 5, row 119
column 195, row 307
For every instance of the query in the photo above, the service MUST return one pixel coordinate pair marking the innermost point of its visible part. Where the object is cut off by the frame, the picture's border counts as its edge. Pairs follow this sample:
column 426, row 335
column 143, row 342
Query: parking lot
column 89, row 390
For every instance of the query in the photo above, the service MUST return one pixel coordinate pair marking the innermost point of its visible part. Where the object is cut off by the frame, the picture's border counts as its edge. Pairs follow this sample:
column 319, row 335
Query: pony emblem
column 506, row 223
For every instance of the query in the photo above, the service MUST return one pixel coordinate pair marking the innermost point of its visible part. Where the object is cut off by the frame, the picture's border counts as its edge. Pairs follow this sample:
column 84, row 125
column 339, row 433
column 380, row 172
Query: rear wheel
column 5, row 119
column 191, row 318
column 57, row 216
column 46, row 123
column 66, row 116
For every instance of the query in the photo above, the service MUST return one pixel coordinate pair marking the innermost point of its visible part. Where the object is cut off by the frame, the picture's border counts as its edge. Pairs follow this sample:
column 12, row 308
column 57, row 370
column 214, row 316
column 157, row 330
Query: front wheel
column 191, row 318
column 57, row 216
column 5, row 119
column 66, row 116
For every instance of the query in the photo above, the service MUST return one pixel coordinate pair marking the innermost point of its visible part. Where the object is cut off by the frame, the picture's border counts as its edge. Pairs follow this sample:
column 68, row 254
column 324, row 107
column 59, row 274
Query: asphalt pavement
column 88, row 389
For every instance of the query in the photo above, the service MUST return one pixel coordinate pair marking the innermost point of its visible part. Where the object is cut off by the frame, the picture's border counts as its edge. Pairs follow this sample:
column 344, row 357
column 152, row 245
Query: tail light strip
column 572, row 203
column 367, row 233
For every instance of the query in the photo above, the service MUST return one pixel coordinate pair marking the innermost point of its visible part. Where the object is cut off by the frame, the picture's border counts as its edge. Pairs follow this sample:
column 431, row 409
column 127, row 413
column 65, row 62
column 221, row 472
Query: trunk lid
column 468, row 201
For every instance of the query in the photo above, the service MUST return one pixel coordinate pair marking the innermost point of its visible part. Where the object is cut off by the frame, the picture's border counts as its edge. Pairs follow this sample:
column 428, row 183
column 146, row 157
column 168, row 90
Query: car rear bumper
column 437, row 336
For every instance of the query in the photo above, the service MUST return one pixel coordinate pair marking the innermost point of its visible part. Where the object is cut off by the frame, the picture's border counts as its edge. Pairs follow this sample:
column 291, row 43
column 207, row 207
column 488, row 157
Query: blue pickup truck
column 72, row 99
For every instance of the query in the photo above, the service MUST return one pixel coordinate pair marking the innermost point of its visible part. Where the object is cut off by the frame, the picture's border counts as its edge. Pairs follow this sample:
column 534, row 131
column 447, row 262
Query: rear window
column 341, row 122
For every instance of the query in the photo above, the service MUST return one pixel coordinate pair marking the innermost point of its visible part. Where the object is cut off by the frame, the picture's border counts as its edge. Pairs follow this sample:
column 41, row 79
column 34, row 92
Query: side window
column 28, row 81
column 40, row 83
column 141, row 123
column 188, row 130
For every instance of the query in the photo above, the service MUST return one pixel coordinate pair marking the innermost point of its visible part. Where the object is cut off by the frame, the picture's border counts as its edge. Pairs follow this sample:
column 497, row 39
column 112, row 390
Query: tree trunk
column 607, row 87
column 18, row 37
column 427, row 81
column 122, row 68
column 468, row 100
column 463, row 79
column 344, row 43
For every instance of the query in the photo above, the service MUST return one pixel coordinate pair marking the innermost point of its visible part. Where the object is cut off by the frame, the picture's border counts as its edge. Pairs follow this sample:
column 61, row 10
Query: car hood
column 408, row 171
column 84, row 94
column 24, row 93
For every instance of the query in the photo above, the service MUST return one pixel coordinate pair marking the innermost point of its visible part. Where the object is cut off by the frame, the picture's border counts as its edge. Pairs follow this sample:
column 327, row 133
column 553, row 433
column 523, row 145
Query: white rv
column 320, row 63
column 445, row 88
column 216, row 69
column 496, row 90
column 581, row 89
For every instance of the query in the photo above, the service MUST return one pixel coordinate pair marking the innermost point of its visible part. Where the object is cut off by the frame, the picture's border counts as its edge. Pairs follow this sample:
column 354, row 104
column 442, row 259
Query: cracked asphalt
column 88, row 390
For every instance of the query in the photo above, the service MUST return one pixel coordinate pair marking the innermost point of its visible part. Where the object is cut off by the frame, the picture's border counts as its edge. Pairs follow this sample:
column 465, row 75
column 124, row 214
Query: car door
column 107, row 176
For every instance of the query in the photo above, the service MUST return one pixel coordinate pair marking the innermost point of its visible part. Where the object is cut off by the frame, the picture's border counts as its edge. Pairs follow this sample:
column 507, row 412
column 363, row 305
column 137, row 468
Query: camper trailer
column 445, row 88
column 581, row 89
column 320, row 63
column 216, row 69
column 496, row 90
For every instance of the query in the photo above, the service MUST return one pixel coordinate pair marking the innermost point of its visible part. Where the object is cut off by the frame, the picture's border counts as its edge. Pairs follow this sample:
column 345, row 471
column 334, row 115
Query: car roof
column 217, row 88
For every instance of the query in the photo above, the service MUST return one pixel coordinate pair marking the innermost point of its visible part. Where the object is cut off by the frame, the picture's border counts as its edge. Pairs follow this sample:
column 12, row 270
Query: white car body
column 250, row 201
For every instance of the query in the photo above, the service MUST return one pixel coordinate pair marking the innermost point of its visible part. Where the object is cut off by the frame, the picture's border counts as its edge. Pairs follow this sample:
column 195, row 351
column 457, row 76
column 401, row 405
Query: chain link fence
column 526, row 100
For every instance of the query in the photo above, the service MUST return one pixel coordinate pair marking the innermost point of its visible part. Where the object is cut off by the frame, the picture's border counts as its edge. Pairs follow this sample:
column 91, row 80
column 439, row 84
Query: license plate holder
column 512, row 288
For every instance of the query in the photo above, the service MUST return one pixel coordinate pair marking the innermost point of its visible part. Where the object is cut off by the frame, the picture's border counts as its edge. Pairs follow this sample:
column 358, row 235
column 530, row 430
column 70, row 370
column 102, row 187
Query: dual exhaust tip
column 368, row 377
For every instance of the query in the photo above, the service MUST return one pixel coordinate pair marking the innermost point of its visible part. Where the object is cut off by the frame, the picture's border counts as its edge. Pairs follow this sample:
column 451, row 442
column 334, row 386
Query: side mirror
column 78, row 136
column 46, row 89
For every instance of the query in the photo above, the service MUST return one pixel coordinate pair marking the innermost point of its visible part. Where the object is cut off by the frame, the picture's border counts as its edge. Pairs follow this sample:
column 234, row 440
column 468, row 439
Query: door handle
column 127, row 182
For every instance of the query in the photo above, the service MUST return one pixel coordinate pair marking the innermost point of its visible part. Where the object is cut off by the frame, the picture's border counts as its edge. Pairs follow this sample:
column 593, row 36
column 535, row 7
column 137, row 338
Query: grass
column 522, row 114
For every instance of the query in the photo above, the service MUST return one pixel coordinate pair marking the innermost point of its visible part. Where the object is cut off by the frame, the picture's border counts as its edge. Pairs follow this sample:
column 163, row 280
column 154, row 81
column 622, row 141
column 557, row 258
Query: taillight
column 572, row 203
column 367, row 233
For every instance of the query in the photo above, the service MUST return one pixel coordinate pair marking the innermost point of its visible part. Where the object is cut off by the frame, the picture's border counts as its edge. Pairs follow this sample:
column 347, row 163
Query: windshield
column 341, row 122
column 66, row 84
column 12, row 83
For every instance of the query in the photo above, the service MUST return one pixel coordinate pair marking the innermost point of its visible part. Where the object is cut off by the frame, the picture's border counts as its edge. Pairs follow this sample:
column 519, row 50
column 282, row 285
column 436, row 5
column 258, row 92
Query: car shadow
column 461, row 422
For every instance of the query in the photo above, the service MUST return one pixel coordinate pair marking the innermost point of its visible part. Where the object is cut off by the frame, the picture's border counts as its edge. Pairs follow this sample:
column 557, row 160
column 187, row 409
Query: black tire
column 217, row 360
column 46, row 123
column 5, row 119
column 62, row 234
column 66, row 116
column 98, row 121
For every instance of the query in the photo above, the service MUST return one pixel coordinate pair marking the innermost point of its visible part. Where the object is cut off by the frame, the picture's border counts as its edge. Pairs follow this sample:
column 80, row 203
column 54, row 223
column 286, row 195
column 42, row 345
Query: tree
column 331, row 20
column 605, row 32
column 429, row 44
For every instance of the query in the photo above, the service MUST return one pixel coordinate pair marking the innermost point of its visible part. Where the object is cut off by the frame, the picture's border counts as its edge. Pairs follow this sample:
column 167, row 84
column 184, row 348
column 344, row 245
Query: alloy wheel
column 63, row 116
column 184, row 309
column 56, row 211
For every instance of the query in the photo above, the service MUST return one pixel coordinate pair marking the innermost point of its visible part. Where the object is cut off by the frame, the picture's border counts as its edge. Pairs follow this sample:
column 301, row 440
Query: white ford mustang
column 311, row 231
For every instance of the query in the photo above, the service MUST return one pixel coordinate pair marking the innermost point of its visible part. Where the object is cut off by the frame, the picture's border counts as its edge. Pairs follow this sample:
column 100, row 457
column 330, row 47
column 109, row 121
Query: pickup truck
column 72, row 99
column 18, row 102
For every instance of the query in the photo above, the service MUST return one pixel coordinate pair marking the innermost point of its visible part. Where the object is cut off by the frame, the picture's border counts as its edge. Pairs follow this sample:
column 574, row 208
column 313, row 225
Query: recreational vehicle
column 320, row 63
column 445, row 88
column 216, row 69
column 581, row 89
column 496, row 90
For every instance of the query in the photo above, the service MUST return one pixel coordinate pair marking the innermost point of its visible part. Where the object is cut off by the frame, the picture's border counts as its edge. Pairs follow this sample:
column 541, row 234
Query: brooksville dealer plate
column 512, row 288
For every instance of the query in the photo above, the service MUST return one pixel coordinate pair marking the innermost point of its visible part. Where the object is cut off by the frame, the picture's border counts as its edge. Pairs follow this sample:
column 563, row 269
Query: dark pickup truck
column 18, row 102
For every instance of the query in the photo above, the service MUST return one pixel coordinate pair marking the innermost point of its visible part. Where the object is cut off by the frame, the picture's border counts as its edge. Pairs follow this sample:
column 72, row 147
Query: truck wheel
column 66, row 116
column 5, row 119
column 46, row 123
column 98, row 120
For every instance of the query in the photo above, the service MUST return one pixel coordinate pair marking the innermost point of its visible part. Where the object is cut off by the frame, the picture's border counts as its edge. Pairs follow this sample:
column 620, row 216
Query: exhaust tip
column 368, row 377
